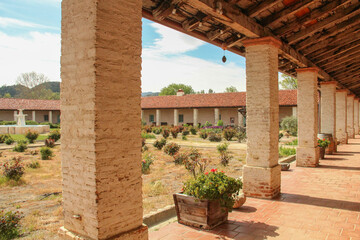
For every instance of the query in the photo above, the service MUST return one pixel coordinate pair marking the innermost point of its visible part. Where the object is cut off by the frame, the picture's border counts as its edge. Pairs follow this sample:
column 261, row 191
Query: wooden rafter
column 339, row 16
column 191, row 23
column 345, row 79
column 164, row 9
column 348, row 72
column 347, row 69
column 341, row 65
column 262, row 6
column 343, row 55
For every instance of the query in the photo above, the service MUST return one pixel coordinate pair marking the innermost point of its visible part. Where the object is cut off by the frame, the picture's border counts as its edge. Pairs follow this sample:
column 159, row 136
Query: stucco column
column 328, row 112
column 216, row 115
column 50, row 117
column 100, row 119
column 307, row 152
column 341, row 116
column 33, row 116
column 142, row 116
column 158, row 117
column 15, row 113
column 240, row 119
column 262, row 173
column 176, row 117
column 350, row 115
column 356, row 116
column 196, row 116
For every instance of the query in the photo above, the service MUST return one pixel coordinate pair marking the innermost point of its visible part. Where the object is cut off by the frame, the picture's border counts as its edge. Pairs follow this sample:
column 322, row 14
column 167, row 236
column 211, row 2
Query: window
column 151, row 118
column 46, row 118
column 181, row 118
column 219, row 116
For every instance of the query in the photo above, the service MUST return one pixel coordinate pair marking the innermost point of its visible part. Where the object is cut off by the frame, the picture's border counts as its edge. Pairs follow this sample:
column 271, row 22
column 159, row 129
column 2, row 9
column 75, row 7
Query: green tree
column 211, row 91
column 288, row 82
column 7, row 95
column 231, row 89
column 174, row 87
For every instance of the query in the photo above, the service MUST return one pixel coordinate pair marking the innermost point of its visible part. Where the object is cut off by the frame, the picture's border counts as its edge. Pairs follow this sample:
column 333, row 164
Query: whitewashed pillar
column 294, row 111
column 341, row 116
column 196, row 113
column 50, row 117
column 33, row 116
column 350, row 116
column 158, row 117
column 240, row 119
column 356, row 116
column 15, row 113
column 176, row 117
column 216, row 115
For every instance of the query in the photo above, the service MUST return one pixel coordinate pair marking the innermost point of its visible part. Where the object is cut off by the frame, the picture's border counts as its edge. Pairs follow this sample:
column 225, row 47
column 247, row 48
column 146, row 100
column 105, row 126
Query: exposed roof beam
column 346, row 78
column 214, row 34
column 314, row 14
column 348, row 75
column 347, row 54
column 287, row 11
column 347, row 68
column 233, row 40
column 192, row 23
column 340, row 65
column 164, row 9
column 330, row 53
column 354, row 86
column 262, row 6
column 339, row 16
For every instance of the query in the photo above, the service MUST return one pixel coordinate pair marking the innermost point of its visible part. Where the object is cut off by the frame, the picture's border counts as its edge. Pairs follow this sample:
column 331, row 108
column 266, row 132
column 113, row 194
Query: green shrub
column 50, row 143
column 180, row 158
column 174, row 131
column 215, row 137
column 9, row 225
column 203, row 134
column 157, row 130
column 9, row 141
column 21, row 146
column 52, row 125
column 229, row 133
column 31, row 122
column 185, row 131
column 193, row 131
column 8, row 123
column 148, row 159
column 214, row 186
column 184, row 138
column 293, row 143
column 147, row 135
column 284, row 151
column 159, row 144
column 147, row 129
column 55, row 134
column 13, row 169
column 4, row 137
column 207, row 124
column 46, row 153
column 224, row 154
column 220, row 123
column 289, row 124
column 33, row 164
column 280, row 135
column 241, row 134
column 171, row 149
column 31, row 136
column 166, row 133
column 195, row 163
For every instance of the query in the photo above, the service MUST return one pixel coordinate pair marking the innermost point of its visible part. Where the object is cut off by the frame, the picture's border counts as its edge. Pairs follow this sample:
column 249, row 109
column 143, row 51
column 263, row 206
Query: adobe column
column 196, row 113
column 328, row 113
column 307, row 152
column 341, row 116
column 158, row 117
column 101, row 120
column 356, row 116
column 176, row 117
column 262, row 173
column 350, row 116
column 216, row 115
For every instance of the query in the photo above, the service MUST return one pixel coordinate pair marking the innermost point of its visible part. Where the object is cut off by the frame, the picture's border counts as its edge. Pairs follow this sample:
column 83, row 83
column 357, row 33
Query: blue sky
column 30, row 41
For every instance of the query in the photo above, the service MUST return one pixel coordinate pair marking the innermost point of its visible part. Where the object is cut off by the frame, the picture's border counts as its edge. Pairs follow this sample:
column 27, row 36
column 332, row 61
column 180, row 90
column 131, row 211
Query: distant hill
column 43, row 91
column 149, row 94
column 53, row 86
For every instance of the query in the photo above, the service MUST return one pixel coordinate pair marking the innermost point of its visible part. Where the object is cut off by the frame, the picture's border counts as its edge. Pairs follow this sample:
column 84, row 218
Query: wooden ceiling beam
column 164, row 9
column 287, row 11
column 348, row 35
column 354, row 86
column 349, row 72
column 356, row 77
column 347, row 54
column 233, row 40
column 257, row 8
column 191, row 24
column 314, row 14
column 340, row 65
column 339, row 16
column 348, row 69
column 214, row 34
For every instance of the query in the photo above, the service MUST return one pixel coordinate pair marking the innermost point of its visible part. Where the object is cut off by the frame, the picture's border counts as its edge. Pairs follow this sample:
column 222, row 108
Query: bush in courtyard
column 4, row 137
column 289, row 124
column 147, row 129
column 7, row 122
column 9, row 141
column 147, row 135
column 174, row 131
column 55, row 134
column 52, row 125
column 185, row 131
column 148, row 159
column 46, row 153
column 193, row 130
column 180, row 158
column 280, row 135
column 157, row 130
column 284, row 151
column 203, row 134
column 207, row 124
column 21, row 146
column 9, row 225
column 241, row 134
column 31, row 122
column 195, row 163
column 166, row 133
column 229, row 133
column 33, row 164
column 184, row 138
column 224, row 154
column 13, row 169
column 50, row 143
column 293, row 143
column 215, row 137
column 220, row 123
column 159, row 144
column 31, row 136
column 171, row 149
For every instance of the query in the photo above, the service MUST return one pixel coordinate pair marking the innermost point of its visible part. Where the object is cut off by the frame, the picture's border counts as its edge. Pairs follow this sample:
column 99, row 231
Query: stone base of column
column 307, row 156
column 262, row 182
column 351, row 134
column 140, row 233
column 343, row 138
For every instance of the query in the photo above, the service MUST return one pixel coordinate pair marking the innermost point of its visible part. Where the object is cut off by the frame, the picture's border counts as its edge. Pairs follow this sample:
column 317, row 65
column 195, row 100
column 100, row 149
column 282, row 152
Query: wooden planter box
column 204, row 214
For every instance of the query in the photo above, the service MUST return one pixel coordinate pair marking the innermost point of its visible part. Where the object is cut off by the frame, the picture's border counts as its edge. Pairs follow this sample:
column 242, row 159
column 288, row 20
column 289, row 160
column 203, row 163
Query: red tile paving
column 316, row 203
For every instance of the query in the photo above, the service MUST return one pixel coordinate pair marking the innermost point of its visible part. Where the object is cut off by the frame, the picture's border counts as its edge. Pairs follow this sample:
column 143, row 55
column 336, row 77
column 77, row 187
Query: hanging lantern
column 224, row 59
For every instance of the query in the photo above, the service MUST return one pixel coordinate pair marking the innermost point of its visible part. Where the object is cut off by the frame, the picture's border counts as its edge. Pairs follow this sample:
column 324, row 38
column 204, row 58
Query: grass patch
column 284, row 151
column 18, row 137
column 4, row 181
column 293, row 143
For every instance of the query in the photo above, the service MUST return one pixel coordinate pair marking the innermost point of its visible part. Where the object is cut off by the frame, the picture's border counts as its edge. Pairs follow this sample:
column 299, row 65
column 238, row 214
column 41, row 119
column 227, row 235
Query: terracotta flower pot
column 239, row 200
column 322, row 153
column 285, row 166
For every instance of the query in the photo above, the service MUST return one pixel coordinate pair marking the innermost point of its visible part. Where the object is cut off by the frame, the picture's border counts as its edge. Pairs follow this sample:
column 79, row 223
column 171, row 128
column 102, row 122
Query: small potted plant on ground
column 323, row 144
column 207, row 198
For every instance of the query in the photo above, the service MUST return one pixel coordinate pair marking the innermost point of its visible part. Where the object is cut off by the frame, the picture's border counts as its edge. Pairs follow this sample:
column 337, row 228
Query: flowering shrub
column 193, row 130
column 241, row 134
column 9, row 224
column 166, row 133
column 171, row 149
column 207, row 124
column 229, row 133
column 55, row 135
column 148, row 159
column 159, row 144
column 21, row 146
column 46, row 153
column 50, row 142
column 157, row 130
column 180, row 158
column 147, row 129
column 13, row 169
column 203, row 134
column 215, row 137
column 224, row 154
column 31, row 136
column 4, row 137
column 195, row 163
column 174, row 131
column 220, row 123
column 324, row 143
column 185, row 131
column 214, row 186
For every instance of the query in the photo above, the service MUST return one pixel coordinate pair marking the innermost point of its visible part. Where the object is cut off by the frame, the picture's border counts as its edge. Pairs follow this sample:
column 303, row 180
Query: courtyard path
column 316, row 203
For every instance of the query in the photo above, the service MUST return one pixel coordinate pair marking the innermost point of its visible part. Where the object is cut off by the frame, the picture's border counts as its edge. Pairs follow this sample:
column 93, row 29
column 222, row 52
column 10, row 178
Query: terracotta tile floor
column 316, row 203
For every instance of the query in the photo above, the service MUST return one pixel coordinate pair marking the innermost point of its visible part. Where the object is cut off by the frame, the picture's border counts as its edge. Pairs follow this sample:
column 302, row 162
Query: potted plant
column 207, row 198
column 323, row 144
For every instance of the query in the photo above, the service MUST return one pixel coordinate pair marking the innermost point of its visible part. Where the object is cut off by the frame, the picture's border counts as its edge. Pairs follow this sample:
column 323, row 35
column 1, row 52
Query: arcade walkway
column 316, row 203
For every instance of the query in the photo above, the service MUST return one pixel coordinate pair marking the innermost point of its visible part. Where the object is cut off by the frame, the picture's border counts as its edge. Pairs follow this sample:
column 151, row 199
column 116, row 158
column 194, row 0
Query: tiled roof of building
column 28, row 104
column 236, row 99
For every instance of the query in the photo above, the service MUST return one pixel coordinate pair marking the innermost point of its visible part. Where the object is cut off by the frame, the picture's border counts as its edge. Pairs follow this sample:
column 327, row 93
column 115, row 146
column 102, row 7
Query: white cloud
column 39, row 52
column 12, row 22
